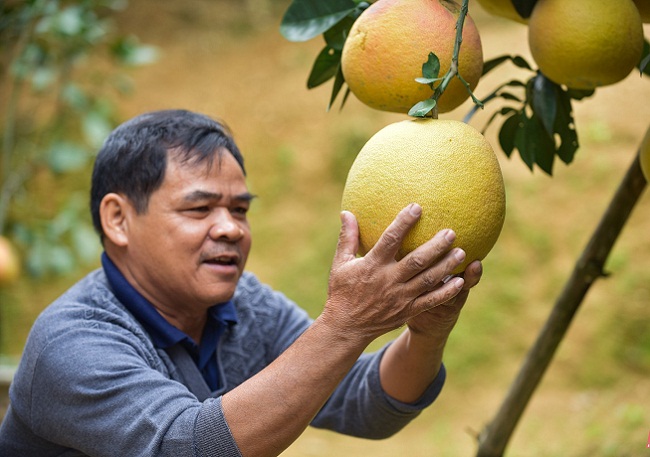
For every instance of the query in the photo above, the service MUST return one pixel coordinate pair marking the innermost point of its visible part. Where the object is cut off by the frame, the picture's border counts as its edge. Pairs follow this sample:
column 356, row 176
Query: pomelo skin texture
column 445, row 166
column 389, row 42
column 585, row 44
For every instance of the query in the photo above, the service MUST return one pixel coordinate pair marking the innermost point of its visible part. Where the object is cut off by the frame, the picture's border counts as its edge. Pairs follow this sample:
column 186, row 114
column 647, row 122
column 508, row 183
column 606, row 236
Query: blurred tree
column 61, row 65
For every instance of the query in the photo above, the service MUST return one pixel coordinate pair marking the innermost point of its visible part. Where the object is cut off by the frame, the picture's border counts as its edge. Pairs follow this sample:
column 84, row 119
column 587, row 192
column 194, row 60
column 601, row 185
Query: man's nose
column 224, row 226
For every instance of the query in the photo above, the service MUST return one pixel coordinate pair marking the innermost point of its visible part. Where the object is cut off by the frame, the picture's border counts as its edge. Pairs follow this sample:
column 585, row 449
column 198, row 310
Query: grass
column 593, row 399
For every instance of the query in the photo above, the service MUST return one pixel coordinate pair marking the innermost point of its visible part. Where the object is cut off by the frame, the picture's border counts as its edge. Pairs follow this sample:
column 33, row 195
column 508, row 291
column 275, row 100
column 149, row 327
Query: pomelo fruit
column 584, row 44
column 9, row 263
column 389, row 42
column 445, row 166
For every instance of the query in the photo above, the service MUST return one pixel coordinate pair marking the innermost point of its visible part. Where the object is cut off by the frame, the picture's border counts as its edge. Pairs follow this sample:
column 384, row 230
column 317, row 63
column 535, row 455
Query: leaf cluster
column 537, row 119
column 538, row 116
column 306, row 19
column 61, row 65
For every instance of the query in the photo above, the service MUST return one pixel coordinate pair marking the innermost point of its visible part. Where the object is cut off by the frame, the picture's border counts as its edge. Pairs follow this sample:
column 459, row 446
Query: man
column 171, row 349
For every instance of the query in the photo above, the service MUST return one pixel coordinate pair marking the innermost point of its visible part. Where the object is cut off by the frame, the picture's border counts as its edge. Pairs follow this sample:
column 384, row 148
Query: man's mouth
column 222, row 260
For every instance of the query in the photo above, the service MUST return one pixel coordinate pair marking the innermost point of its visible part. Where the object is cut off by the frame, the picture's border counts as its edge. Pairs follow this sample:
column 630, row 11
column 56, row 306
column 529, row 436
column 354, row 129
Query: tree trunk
column 589, row 267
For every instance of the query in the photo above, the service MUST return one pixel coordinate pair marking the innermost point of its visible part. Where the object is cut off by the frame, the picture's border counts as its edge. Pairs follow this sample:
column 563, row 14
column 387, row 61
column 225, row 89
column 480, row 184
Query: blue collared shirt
column 164, row 335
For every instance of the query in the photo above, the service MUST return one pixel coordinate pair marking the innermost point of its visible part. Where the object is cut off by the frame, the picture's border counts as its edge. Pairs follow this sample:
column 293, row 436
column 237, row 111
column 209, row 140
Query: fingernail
column 459, row 254
column 459, row 283
column 415, row 209
column 450, row 236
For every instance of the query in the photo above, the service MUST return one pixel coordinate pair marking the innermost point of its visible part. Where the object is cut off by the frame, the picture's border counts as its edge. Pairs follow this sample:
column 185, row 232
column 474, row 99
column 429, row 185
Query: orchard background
column 226, row 58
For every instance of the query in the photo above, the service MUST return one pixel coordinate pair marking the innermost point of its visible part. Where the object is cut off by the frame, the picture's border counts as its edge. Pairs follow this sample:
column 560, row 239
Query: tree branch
column 589, row 267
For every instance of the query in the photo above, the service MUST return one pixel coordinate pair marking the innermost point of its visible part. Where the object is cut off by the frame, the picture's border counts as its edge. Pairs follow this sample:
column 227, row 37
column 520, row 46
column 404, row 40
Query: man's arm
column 367, row 297
column 413, row 360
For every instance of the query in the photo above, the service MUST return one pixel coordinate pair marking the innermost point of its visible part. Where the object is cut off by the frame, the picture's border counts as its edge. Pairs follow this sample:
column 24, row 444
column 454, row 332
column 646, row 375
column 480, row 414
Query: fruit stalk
column 589, row 267
column 453, row 68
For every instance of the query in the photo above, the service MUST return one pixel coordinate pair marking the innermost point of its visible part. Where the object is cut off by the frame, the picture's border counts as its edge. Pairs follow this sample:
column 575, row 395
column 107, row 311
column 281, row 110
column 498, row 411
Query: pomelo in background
column 502, row 8
column 445, row 166
column 388, row 43
column 9, row 263
column 585, row 44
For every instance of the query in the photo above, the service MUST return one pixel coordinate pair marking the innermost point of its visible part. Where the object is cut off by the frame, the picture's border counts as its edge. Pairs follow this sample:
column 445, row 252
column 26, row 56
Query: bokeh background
column 227, row 59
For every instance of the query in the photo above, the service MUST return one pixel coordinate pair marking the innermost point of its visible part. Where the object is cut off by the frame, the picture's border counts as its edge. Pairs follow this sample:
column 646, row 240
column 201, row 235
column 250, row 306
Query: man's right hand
column 372, row 295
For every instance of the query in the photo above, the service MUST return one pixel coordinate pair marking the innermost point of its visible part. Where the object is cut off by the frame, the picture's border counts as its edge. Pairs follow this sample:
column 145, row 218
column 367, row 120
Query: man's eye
column 200, row 209
column 240, row 210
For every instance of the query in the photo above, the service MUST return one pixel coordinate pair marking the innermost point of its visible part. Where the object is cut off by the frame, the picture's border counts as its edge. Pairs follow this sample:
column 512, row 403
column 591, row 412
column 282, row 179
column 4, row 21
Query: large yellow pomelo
column 502, row 8
column 445, row 166
column 585, row 44
column 389, row 42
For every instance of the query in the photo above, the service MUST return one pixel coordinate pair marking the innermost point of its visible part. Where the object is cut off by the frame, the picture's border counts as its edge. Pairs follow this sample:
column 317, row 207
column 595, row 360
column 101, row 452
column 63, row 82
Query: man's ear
column 113, row 212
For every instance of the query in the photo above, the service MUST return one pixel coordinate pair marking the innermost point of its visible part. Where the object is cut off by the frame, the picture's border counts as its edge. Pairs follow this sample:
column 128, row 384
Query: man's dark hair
column 133, row 159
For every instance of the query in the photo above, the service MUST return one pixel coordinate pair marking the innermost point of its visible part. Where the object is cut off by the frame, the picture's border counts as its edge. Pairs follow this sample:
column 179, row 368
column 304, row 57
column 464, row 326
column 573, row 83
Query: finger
column 445, row 292
column 421, row 258
column 473, row 274
column 348, row 243
column 390, row 241
column 437, row 274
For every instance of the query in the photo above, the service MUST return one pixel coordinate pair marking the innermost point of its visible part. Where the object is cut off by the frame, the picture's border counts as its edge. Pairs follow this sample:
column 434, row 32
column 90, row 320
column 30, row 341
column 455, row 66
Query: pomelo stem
column 453, row 68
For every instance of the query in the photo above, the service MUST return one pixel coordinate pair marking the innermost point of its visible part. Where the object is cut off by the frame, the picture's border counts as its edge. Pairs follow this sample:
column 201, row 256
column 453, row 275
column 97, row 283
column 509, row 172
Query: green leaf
column 579, row 94
column 431, row 68
column 63, row 157
column 96, row 127
column 565, row 129
column 509, row 96
column 543, row 147
column 336, row 88
column 643, row 66
column 421, row 109
column 524, row 139
column 524, row 7
column 494, row 95
column 325, row 67
column 534, row 144
column 129, row 51
column 306, row 19
column 544, row 101
column 517, row 60
column 427, row 80
column 507, row 134
column 336, row 35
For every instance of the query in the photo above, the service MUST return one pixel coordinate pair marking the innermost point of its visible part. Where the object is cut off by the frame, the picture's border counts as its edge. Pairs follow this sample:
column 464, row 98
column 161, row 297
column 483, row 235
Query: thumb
column 348, row 244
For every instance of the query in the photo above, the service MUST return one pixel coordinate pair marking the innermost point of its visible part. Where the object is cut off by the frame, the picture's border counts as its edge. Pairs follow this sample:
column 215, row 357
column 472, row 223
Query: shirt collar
column 163, row 334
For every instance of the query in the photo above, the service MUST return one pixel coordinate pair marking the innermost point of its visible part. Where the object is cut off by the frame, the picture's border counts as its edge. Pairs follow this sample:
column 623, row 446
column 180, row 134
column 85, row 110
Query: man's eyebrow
column 199, row 195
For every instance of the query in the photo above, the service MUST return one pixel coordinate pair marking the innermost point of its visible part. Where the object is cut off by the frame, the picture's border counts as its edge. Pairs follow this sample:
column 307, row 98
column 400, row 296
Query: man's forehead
column 203, row 165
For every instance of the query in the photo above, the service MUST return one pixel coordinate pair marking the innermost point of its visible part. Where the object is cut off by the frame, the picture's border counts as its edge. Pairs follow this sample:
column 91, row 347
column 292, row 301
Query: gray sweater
column 91, row 383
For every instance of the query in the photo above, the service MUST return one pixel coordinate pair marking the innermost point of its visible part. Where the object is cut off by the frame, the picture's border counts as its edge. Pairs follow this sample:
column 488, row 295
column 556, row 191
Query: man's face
column 190, row 246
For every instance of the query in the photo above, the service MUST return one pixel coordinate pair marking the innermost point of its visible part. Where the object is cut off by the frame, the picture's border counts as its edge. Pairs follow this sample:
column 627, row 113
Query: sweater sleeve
column 360, row 407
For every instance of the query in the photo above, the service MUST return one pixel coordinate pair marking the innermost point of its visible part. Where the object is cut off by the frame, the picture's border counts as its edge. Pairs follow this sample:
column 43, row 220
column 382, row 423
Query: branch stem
column 453, row 68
